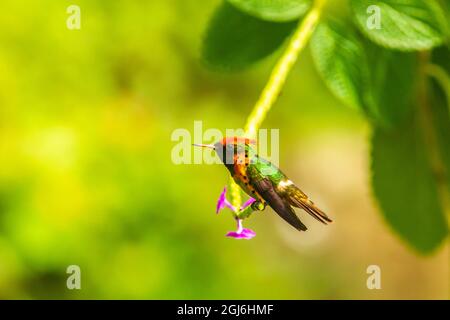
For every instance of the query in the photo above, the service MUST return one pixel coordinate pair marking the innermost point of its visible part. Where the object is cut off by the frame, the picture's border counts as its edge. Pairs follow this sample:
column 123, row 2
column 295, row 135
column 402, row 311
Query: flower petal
column 223, row 202
column 247, row 203
column 249, row 232
column 241, row 233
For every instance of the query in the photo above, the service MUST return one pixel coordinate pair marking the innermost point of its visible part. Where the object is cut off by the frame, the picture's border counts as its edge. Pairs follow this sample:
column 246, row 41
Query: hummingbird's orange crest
column 238, row 140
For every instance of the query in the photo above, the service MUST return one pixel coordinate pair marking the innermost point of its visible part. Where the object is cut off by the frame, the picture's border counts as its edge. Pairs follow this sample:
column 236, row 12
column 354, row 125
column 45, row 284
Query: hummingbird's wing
column 285, row 190
column 266, row 190
column 299, row 199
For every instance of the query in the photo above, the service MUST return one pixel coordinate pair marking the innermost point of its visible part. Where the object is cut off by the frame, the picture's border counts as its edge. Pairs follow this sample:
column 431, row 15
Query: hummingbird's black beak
column 211, row 146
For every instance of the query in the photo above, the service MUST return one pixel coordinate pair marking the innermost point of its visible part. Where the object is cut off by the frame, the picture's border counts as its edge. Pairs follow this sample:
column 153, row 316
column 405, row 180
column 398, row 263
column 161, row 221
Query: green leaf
column 439, row 70
column 403, row 24
column 440, row 112
column 441, row 57
column 235, row 40
column 361, row 74
column 273, row 10
column 340, row 59
column 392, row 84
column 405, row 186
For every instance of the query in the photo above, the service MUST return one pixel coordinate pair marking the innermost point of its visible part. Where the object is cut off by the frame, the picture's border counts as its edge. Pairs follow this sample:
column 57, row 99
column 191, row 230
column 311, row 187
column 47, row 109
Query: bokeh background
column 86, row 175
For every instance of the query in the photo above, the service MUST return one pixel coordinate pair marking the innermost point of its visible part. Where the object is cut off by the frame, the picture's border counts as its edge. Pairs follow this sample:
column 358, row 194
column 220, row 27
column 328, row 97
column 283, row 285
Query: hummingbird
column 264, row 181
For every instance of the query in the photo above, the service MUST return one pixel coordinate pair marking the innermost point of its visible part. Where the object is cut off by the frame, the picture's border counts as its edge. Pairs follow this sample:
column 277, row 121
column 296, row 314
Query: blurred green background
column 86, row 175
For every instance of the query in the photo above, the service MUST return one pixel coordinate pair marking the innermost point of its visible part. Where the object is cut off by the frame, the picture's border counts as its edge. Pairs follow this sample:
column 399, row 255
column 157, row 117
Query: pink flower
column 241, row 232
column 247, row 203
column 223, row 202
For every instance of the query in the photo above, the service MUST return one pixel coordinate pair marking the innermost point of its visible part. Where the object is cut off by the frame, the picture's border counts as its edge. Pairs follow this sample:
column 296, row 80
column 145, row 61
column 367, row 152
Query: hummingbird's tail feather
column 300, row 200
column 266, row 189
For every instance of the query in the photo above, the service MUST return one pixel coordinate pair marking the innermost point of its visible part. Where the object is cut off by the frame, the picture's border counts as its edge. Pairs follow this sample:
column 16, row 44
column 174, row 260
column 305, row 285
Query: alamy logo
column 374, row 20
column 74, row 280
column 184, row 152
column 374, row 280
column 73, row 21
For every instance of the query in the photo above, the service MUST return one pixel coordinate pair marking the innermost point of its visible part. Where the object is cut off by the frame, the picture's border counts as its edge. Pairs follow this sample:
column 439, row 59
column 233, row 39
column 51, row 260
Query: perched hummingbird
column 264, row 182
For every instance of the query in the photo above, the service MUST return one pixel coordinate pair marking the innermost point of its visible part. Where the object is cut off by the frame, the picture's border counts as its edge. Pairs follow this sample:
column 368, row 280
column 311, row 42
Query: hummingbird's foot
column 241, row 232
column 250, row 206
column 223, row 202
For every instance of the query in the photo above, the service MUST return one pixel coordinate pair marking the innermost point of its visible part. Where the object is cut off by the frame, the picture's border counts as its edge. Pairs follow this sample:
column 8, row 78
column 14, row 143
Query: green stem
column 277, row 78
column 281, row 70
